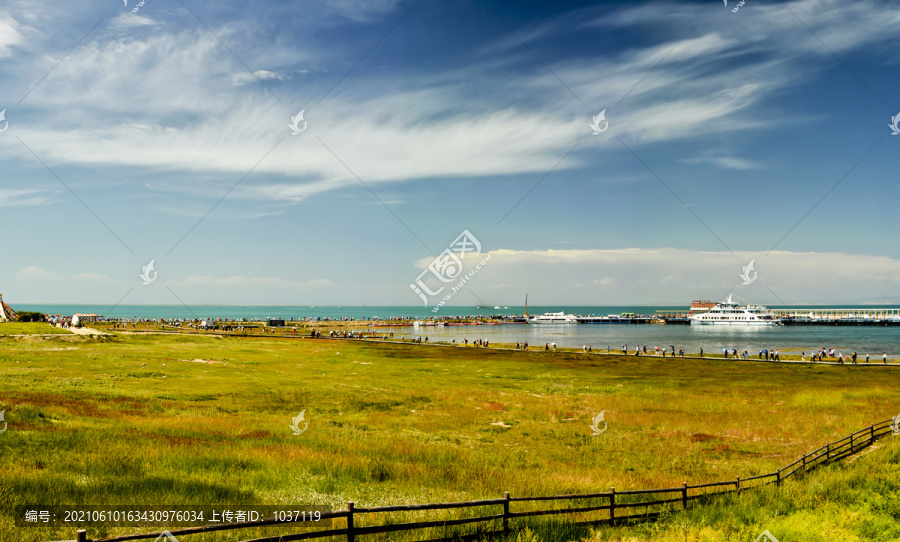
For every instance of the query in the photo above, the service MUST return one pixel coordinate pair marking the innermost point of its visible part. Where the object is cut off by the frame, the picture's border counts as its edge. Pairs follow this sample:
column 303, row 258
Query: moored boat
column 554, row 318
column 730, row 313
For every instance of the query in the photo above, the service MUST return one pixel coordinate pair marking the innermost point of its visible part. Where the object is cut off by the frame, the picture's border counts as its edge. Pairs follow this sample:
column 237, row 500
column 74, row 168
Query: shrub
column 27, row 316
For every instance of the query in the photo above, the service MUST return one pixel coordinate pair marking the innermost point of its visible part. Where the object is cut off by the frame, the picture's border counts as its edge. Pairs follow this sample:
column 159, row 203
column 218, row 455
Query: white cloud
column 24, row 197
column 362, row 10
column 167, row 102
column 9, row 34
column 242, row 78
column 724, row 162
column 131, row 20
column 676, row 276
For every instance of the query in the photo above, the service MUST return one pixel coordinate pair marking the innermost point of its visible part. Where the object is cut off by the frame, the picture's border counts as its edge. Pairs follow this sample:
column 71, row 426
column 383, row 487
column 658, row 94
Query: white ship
column 553, row 318
column 729, row 313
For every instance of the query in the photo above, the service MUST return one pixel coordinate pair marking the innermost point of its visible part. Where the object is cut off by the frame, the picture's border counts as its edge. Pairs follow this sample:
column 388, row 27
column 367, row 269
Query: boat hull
column 736, row 323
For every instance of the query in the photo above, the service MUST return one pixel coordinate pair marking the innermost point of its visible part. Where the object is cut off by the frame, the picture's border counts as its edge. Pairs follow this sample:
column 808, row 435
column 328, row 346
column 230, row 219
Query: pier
column 820, row 317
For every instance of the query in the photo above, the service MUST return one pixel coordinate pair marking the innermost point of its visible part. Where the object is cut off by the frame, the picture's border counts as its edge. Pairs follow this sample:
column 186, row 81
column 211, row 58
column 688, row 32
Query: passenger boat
column 553, row 318
column 729, row 313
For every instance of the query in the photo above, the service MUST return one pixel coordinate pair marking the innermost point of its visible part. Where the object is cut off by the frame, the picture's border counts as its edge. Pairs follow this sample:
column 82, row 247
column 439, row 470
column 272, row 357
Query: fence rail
column 832, row 451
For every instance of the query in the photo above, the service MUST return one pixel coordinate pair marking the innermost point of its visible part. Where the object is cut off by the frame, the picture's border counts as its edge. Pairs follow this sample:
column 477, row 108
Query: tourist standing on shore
column 867, row 357
column 884, row 357
column 701, row 351
column 854, row 358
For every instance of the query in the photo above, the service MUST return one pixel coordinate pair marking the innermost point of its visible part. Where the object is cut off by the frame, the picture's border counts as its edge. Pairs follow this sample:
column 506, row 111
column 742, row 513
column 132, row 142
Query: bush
column 27, row 316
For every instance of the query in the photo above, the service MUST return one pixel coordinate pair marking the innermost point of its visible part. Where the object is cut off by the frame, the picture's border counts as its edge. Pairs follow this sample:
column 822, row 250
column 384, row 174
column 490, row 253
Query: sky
column 171, row 131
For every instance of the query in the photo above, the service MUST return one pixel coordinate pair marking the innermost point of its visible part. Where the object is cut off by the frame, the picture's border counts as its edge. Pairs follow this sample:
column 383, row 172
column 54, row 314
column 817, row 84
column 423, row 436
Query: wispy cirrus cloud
column 23, row 197
column 200, row 112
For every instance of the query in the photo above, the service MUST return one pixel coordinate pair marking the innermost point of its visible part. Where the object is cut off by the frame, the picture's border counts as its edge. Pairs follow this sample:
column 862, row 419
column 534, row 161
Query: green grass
column 190, row 419
column 31, row 328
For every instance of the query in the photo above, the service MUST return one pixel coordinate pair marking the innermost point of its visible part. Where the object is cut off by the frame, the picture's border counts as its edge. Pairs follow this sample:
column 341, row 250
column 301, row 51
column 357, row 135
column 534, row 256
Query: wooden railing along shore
column 613, row 502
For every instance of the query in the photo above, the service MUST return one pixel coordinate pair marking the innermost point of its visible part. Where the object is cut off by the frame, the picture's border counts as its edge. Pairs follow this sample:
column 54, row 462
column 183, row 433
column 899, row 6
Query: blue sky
column 759, row 134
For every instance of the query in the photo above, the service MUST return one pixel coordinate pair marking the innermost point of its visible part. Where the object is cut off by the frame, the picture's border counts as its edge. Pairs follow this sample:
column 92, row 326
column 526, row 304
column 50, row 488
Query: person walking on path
column 701, row 351
column 802, row 354
column 867, row 357
column 854, row 358
column 884, row 357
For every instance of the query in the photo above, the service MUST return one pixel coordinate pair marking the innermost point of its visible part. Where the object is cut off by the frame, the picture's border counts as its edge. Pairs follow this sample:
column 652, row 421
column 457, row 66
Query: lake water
column 788, row 339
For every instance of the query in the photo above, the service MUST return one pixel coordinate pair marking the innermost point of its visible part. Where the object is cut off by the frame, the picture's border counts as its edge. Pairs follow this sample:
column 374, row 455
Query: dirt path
column 86, row 331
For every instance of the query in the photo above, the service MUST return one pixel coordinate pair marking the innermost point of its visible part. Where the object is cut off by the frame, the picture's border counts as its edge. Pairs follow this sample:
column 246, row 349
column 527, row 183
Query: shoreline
column 507, row 347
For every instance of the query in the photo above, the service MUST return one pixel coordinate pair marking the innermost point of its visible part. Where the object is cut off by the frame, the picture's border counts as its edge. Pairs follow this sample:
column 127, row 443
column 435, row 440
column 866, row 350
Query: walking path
column 87, row 331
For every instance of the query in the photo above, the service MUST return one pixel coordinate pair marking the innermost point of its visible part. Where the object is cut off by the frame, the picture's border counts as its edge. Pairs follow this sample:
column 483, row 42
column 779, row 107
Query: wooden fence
column 619, row 505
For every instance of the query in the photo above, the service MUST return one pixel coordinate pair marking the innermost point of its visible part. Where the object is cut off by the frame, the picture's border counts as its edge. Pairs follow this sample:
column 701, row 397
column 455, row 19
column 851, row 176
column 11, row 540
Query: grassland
column 190, row 419
column 30, row 328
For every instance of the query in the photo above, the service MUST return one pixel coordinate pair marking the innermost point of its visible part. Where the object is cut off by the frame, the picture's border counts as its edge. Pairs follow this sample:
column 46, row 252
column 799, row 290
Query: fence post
column 612, row 506
column 737, row 484
column 872, row 433
column 827, row 451
column 80, row 535
column 684, row 495
column 778, row 477
column 506, row 514
column 804, row 462
column 851, row 443
column 350, row 521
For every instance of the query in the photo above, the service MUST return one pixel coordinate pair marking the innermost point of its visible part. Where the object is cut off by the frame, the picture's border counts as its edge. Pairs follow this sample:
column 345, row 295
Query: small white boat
column 553, row 318
column 729, row 313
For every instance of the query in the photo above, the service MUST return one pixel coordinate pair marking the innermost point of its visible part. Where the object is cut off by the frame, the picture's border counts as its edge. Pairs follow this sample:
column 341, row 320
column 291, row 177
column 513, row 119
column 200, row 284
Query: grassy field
column 191, row 419
column 31, row 328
